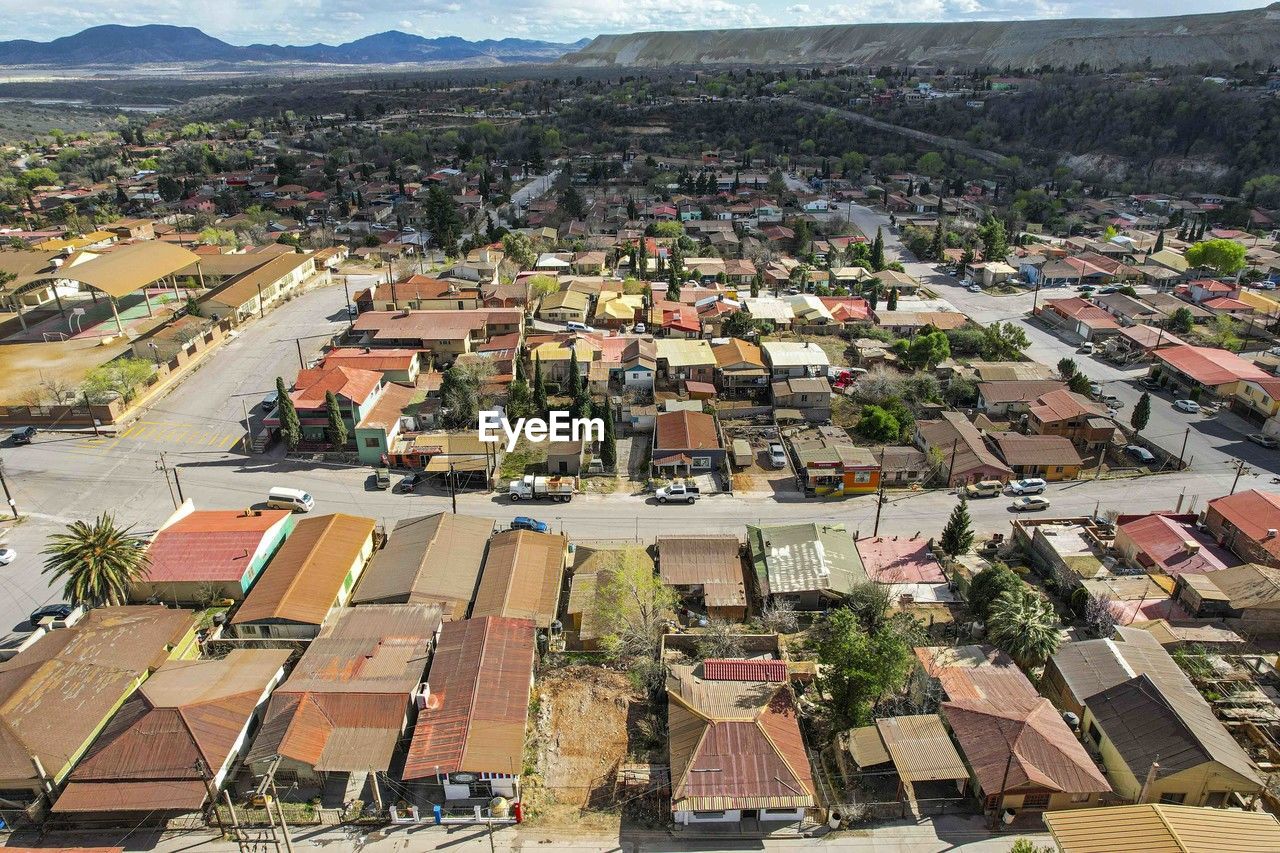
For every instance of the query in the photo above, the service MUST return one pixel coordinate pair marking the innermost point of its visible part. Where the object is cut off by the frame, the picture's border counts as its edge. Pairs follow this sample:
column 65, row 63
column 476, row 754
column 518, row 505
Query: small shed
column 742, row 455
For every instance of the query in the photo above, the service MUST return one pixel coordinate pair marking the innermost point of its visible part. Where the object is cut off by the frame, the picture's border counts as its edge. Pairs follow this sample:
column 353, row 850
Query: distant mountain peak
column 120, row 45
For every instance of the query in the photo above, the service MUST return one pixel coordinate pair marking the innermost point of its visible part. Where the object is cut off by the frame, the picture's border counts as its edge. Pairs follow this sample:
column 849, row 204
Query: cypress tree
column 290, row 426
column 1141, row 413
column 957, row 536
column 939, row 242
column 893, row 299
column 336, row 431
column 609, row 448
column 539, row 387
column 1160, row 241
column 575, row 376
column 877, row 251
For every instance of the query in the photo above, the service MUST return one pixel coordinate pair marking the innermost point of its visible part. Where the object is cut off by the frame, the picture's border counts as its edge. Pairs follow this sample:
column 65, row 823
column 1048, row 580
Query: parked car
column 678, row 493
column 975, row 288
column 382, row 478
column 1140, row 453
column 524, row 522
column 1109, row 289
column 269, row 402
column 1150, row 384
column 640, row 328
column 7, row 556
column 1111, row 401
column 983, row 489
column 1031, row 504
column 1085, row 348
column 574, row 326
column 1095, row 388
column 1029, row 486
column 23, row 435
column 60, row 610
column 1188, row 406
column 410, row 482
column 777, row 455
column 1264, row 440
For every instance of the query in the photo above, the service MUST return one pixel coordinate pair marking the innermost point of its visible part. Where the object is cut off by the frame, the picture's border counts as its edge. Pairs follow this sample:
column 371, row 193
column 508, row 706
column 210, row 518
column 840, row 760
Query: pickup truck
column 677, row 492
column 530, row 487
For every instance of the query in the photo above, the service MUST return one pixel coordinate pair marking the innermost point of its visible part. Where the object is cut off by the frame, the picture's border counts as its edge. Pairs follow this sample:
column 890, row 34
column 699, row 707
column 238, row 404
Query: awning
column 674, row 459
column 129, row 268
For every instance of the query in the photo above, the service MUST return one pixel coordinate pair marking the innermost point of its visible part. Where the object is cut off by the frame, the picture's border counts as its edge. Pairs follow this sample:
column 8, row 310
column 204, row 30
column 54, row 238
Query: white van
column 292, row 499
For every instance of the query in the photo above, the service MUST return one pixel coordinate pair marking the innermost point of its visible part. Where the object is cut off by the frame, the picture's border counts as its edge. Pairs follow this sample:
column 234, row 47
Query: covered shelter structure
column 122, row 271
column 920, row 750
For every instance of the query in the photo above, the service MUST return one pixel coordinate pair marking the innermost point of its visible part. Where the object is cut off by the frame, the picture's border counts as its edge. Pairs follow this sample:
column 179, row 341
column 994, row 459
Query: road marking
column 175, row 434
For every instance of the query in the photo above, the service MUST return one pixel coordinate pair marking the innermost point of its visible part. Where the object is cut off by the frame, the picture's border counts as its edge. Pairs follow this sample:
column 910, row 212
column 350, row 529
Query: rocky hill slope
column 1220, row 39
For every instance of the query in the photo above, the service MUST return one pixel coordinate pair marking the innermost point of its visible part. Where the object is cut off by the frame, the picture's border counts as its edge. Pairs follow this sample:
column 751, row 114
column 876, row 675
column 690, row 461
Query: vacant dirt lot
column 582, row 736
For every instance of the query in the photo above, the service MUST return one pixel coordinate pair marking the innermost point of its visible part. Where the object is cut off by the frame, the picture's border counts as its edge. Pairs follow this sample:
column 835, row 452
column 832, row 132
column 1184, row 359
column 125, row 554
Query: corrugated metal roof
column 866, row 747
column 807, row 557
column 56, row 694
column 302, row 582
column 921, row 749
column 428, row 559
column 478, row 706
column 189, row 711
column 522, row 576
column 752, row 759
column 714, row 561
column 210, row 545
column 774, row 671
column 1160, row 828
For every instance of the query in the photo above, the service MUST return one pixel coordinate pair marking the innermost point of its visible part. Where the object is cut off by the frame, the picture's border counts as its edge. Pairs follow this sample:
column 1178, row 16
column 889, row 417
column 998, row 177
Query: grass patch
column 525, row 459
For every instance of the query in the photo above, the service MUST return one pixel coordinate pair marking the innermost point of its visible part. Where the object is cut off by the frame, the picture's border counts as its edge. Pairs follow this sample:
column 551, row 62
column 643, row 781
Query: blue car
column 524, row 522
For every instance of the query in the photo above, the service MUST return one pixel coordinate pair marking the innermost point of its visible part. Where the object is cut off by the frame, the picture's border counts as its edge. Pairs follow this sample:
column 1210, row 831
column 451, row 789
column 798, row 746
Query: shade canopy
column 129, row 268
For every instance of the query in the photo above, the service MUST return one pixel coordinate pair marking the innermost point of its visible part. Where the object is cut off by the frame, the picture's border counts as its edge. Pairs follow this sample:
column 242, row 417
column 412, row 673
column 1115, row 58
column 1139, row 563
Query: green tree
column 988, row 585
column 939, row 243
column 574, row 383
column 1181, row 320
column 287, row 414
column 1224, row 332
column 97, row 562
column 540, row 403
column 608, row 447
column 541, row 286
column 931, row 163
column 518, row 248
column 118, row 377
column 739, row 324
column 41, row 176
column 876, row 424
column 1026, row 845
column 995, row 242
column 1226, row 257
column 1159, row 247
column 632, row 606
column 1067, row 368
column 857, row 668
column 927, row 349
column 877, row 251
column 336, row 431
column 1023, row 623
column 1003, row 342
column 957, row 535
column 1141, row 413
column 1078, row 383
column 892, row 304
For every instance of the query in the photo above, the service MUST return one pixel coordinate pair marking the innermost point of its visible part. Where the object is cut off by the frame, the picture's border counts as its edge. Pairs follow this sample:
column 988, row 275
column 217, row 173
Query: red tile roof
column 1063, row 405
column 686, row 431
column 371, row 359
column 350, row 383
column 1210, row 366
column 744, row 670
column 899, row 560
column 1253, row 513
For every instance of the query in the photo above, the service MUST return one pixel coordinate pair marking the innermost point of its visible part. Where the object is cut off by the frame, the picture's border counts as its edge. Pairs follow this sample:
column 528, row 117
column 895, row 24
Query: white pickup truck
column 677, row 492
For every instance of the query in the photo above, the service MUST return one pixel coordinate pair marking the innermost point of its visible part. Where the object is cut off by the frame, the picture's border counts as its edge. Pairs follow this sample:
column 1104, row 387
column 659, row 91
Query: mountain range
column 115, row 45
column 1220, row 39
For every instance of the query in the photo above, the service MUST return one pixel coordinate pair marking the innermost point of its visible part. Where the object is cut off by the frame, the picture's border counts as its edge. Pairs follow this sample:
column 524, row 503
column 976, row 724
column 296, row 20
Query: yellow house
column 565, row 306
column 1152, row 827
column 554, row 357
column 1261, row 302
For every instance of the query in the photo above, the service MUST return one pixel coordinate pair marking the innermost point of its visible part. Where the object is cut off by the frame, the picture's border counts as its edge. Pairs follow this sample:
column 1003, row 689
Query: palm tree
column 98, row 562
column 1023, row 623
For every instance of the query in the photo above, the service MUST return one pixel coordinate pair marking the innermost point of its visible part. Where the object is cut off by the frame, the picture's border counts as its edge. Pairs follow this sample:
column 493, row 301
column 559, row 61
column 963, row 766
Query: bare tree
column 779, row 616
column 1100, row 615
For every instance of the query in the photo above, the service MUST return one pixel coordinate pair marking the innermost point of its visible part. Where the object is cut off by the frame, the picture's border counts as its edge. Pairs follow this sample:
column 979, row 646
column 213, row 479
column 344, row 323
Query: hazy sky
column 334, row 21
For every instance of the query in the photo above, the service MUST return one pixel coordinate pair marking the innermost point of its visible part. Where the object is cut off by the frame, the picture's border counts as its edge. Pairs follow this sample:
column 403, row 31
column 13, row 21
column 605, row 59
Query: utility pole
column 1240, row 469
column 178, row 484
column 875, row 531
column 301, row 363
column 161, row 466
column 203, row 770
column 952, row 466
column 13, row 505
column 1185, row 436
column 284, row 827
column 453, row 490
column 248, row 430
column 89, row 408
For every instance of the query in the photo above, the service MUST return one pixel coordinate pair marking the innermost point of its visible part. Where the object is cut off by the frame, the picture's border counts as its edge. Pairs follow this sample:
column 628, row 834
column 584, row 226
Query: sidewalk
column 944, row 834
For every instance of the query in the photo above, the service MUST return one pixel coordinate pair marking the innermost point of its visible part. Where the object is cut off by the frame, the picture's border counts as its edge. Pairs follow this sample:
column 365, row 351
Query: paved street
column 199, row 425
column 952, row 834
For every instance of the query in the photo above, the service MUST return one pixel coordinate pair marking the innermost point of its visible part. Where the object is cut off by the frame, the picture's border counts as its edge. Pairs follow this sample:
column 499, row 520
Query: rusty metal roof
column 431, row 558
column 713, row 561
column 920, row 748
column 1161, row 828
column 56, row 694
column 522, row 576
column 302, row 582
column 774, row 671
column 478, row 704
column 756, row 759
column 189, row 711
